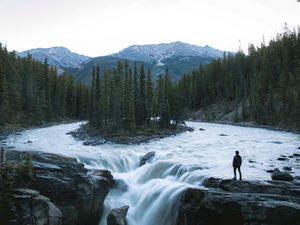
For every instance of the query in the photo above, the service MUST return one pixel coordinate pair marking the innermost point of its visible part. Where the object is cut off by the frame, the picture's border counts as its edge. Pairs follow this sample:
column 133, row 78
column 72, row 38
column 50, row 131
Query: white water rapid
column 153, row 190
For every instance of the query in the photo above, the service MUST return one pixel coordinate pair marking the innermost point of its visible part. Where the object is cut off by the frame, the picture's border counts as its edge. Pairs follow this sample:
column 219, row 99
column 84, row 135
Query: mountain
column 159, row 53
column 59, row 57
column 179, row 57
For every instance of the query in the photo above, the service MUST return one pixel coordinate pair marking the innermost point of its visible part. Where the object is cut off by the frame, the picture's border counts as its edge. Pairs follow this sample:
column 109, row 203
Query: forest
column 32, row 93
column 127, row 99
column 263, row 86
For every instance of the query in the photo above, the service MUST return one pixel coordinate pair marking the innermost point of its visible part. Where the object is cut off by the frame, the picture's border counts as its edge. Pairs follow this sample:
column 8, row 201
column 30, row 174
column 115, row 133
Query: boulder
column 282, row 176
column 117, row 216
column 29, row 207
column 234, row 202
column 201, row 129
column 77, row 192
column 146, row 158
column 223, row 135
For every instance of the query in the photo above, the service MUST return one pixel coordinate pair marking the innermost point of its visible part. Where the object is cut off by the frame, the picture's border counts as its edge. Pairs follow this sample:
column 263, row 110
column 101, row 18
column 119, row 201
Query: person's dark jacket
column 237, row 161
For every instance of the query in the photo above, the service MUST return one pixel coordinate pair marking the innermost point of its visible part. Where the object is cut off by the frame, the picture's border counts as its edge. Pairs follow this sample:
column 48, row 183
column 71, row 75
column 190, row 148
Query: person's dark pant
column 234, row 171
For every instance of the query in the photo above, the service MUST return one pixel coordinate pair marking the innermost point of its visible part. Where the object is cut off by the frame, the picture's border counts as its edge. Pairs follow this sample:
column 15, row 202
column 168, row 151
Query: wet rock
column 29, row 142
column 118, row 216
column 281, row 176
column 77, row 192
column 299, row 147
column 282, row 159
column 270, row 171
column 190, row 129
column 296, row 155
column 240, row 202
column 223, row 135
column 211, row 182
column 276, row 142
column 102, row 174
column 29, row 207
column 147, row 158
column 287, row 168
column 251, row 161
column 201, row 129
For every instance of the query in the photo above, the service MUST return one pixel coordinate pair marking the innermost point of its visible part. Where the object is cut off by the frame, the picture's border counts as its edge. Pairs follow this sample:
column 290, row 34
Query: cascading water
column 153, row 191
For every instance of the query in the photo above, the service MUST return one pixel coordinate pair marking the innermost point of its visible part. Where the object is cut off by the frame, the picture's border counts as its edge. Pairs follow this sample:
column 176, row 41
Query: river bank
column 225, row 112
column 248, row 124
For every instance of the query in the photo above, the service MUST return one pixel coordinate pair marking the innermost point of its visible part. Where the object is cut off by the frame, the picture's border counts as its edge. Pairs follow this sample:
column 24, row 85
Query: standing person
column 237, row 162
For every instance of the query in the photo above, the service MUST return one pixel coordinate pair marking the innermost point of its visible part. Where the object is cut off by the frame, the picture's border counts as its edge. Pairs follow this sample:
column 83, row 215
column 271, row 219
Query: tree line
column 263, row 85
column 32, row 93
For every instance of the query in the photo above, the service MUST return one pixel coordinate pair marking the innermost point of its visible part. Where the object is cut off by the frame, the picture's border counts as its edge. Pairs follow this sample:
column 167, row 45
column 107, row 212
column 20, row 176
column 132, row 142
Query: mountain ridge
column 178, row 56
column 156, row 53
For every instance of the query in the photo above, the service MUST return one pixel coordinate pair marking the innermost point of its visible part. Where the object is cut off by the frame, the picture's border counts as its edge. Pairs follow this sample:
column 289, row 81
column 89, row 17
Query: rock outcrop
column 117, row 216
column 76, row 192
column 232, row 202
column 32, row 208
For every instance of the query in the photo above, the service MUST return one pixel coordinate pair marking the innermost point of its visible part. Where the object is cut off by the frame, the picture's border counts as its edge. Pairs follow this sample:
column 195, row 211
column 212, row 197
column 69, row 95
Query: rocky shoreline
column 233, row 202
column 91, row 137
column 53, row 190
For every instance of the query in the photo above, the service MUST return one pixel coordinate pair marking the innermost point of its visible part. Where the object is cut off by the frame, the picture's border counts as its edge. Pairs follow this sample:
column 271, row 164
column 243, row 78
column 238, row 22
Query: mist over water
column 153, row 191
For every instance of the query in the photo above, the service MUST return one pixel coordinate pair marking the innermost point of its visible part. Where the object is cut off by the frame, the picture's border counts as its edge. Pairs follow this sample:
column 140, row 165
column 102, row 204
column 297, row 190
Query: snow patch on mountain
column 157, row 53
column 59, row 57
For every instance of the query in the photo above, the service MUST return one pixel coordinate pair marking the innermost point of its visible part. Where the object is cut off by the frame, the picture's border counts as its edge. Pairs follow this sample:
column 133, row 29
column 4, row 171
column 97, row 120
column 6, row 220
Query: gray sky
column 100, row 27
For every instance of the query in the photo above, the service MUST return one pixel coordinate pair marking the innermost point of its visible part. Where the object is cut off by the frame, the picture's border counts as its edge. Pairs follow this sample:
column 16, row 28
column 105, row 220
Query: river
column 153, row 191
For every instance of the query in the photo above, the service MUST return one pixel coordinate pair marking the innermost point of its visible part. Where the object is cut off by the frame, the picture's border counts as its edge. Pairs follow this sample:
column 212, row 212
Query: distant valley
column 179, row 57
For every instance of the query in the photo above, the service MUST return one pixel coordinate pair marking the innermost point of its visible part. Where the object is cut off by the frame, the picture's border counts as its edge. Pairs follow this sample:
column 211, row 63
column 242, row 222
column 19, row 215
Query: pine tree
column 142, row 97
column 136, row 95
column 149, row 96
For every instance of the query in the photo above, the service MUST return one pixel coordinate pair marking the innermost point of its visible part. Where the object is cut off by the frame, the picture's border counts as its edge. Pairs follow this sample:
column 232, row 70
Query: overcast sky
column 100, row 27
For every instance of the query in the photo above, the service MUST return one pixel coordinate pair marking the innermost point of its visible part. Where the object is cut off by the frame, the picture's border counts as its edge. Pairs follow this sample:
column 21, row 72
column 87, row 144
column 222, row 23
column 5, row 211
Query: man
column 237, row 162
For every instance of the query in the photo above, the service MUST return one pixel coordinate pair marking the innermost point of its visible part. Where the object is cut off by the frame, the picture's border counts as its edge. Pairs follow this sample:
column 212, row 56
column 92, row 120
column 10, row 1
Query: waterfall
column 153, row 191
